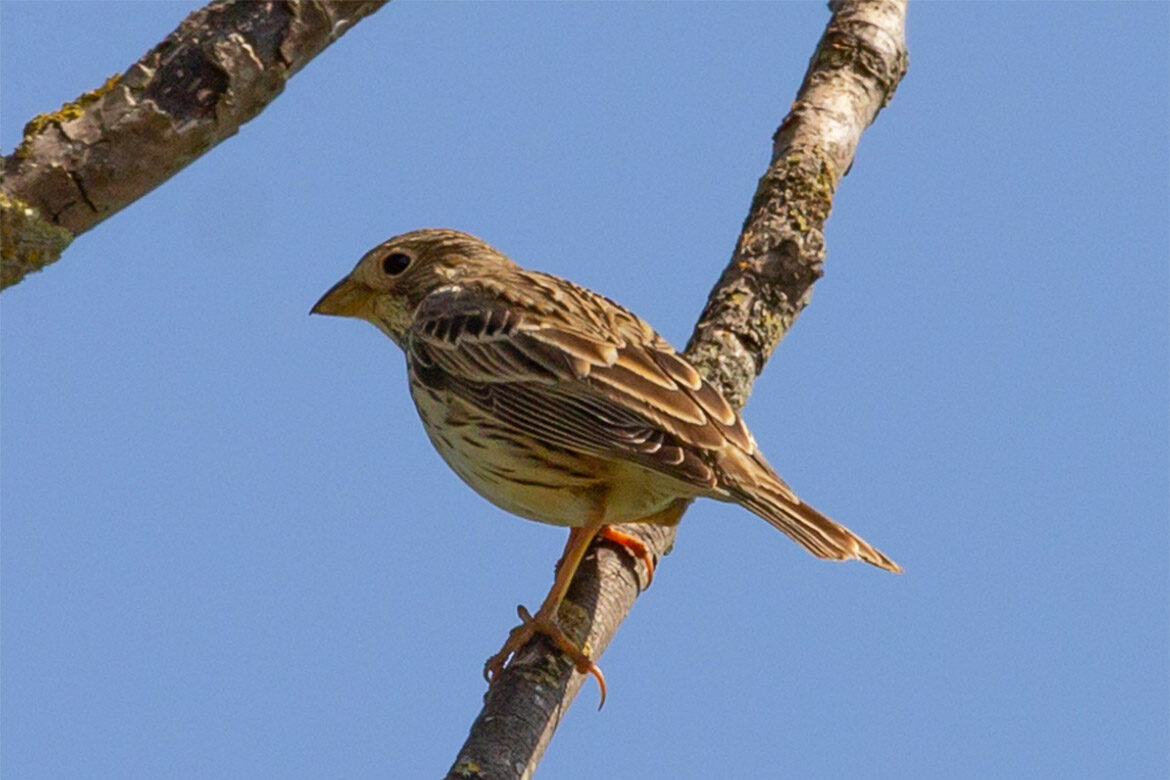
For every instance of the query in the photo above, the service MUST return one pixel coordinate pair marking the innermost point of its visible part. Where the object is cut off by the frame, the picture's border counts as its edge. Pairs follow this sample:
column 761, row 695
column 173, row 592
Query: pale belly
column 535, row 480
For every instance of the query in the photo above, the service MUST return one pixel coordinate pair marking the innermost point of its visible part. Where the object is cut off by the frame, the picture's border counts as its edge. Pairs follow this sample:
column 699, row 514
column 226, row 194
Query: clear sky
column 228, row 549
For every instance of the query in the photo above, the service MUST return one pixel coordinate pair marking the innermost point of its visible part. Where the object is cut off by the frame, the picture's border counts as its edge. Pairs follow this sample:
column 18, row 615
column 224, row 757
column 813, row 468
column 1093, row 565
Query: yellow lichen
column 27, row 242
column 467, row 768
column 70, row 110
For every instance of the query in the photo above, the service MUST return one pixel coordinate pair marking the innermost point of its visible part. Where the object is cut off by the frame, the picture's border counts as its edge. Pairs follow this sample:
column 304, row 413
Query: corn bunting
column 559, row 405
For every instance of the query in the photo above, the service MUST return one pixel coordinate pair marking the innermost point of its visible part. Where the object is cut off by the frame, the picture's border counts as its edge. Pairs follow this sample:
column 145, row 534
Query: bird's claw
column 529, row 627
column 634, row 546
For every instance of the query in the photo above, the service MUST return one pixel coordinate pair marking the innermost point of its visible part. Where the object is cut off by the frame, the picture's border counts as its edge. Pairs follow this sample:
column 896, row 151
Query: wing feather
column 617, row 398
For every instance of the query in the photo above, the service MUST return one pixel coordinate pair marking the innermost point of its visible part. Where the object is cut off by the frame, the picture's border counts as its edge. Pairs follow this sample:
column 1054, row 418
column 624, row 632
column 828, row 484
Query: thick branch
column 96, row 155
column 857, row 65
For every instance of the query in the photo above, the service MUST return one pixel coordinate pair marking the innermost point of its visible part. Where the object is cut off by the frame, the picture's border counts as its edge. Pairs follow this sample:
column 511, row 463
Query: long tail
column 765, row 494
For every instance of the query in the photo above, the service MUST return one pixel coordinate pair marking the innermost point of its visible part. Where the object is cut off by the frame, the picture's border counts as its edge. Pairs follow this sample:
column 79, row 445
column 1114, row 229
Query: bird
column 559, row 405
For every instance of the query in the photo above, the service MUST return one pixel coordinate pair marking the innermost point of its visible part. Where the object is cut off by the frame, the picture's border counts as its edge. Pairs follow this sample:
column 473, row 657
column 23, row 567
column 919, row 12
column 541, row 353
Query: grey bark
column 99, row 153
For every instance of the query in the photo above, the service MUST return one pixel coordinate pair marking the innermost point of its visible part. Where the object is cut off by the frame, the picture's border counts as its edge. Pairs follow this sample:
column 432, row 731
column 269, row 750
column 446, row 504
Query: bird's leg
column 668, row 515
column 544, row 622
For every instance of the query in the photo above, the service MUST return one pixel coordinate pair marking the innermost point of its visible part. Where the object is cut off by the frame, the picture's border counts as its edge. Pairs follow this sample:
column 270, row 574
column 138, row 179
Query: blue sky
column 228, row 550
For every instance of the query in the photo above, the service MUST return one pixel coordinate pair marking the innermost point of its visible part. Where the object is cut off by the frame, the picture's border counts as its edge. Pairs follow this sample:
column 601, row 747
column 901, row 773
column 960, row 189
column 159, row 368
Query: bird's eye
column 395, row 263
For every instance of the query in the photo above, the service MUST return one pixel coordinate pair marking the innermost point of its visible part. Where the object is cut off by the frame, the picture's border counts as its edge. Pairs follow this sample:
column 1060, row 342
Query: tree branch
column 853, row 73
column 96, row 155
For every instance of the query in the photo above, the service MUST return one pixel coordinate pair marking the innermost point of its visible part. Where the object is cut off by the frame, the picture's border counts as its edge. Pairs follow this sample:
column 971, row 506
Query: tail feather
column 753, row 484
column 806, row 526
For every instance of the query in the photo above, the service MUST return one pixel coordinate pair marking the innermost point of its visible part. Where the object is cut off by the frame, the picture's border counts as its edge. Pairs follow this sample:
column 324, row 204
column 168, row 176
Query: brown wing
column 580, row 381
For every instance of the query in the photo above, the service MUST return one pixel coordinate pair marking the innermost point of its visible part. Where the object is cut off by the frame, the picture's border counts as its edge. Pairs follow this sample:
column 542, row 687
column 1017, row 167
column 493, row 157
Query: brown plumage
column 560, row 405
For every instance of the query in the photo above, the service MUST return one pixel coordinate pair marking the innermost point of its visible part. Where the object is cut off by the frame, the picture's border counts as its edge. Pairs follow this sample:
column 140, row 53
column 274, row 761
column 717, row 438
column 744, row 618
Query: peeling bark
column 99, row 153
column 857, row 65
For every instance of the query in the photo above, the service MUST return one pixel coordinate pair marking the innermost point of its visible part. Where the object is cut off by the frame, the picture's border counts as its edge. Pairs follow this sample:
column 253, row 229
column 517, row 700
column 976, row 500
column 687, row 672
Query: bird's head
column 389, row 282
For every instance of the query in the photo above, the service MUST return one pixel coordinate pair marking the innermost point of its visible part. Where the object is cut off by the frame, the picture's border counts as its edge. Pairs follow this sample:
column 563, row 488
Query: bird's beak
column 347, row 298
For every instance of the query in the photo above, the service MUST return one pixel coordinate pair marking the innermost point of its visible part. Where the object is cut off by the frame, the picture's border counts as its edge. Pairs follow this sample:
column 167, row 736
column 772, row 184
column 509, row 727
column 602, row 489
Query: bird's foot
column 634, row 546
column 542, row 624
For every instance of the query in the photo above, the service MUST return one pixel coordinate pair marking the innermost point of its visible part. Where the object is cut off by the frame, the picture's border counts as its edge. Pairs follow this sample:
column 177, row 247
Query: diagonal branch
column 94, row 156
column 853, row 73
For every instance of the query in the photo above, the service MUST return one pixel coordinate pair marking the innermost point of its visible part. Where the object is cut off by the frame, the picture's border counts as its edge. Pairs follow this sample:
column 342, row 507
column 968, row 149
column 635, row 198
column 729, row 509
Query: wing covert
column 615, row 392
